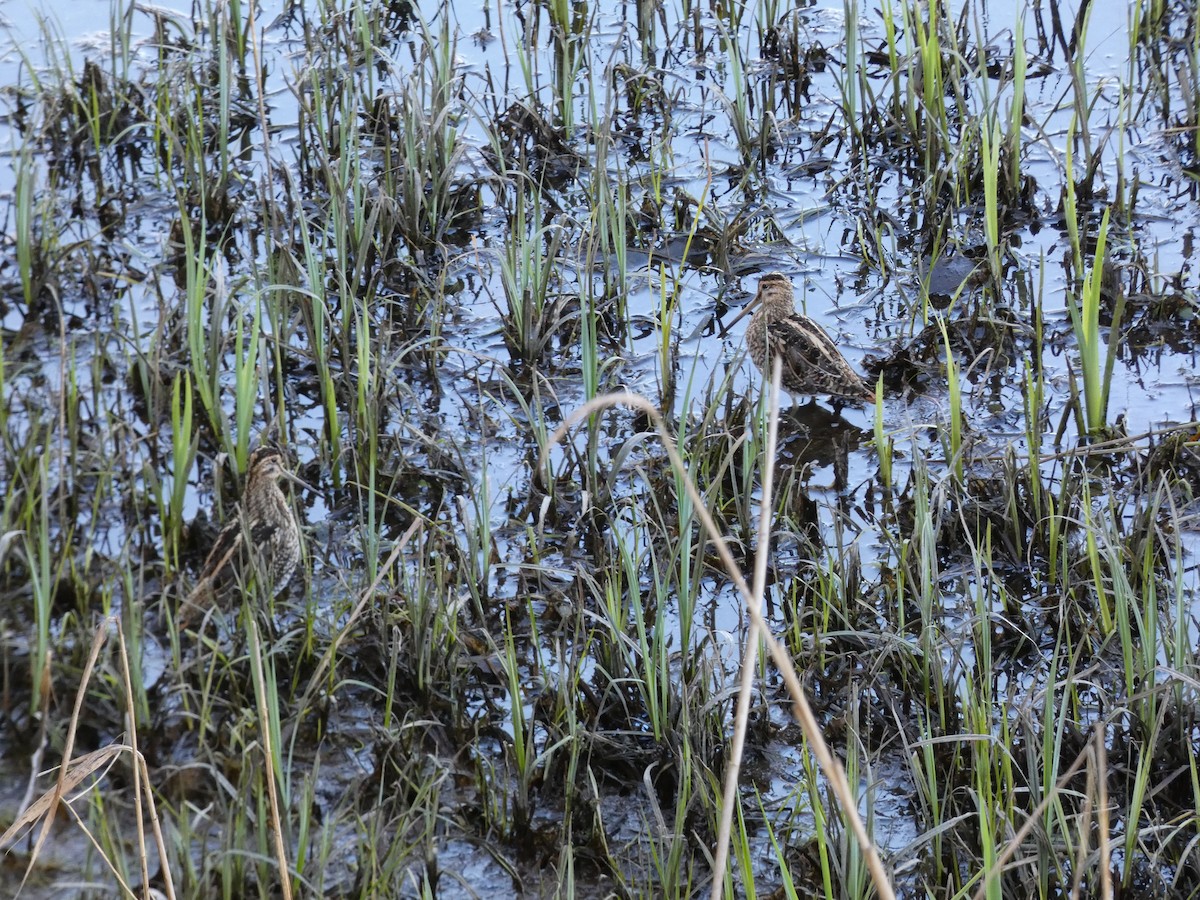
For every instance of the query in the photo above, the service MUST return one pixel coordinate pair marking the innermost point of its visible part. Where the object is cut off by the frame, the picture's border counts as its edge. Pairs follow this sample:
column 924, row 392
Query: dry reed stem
column 801, row 711
column 70, row 772
column 750, row 651
column 141, row 780
column 73, row 772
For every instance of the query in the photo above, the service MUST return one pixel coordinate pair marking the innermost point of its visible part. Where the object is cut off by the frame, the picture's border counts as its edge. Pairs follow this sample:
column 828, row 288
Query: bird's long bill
column 296, row 479
column 743, row 312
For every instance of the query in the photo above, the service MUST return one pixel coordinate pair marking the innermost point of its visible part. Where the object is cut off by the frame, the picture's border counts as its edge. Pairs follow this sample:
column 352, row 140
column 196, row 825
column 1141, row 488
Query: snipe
column 811, row 362
column 262, row 539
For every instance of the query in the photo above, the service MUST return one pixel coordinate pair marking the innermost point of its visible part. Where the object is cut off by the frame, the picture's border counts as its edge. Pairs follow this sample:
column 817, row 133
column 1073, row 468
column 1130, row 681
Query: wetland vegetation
column 582, row 610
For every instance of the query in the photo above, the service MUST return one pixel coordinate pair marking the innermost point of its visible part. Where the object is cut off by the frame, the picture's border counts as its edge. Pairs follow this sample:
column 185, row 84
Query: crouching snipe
column 810, row 362
column 261, row 540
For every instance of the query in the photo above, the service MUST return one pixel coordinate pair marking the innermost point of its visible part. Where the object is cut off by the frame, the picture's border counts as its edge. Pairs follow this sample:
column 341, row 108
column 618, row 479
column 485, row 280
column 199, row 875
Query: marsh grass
column 525, row 627
column 1096, row 360
column 529, row 273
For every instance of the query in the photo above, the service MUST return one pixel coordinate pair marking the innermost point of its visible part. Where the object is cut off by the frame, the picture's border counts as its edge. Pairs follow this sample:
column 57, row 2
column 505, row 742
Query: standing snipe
column 261, row 539
column 811, row 362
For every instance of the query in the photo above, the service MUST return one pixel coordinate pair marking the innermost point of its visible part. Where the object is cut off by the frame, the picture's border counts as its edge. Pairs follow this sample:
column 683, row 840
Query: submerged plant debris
column 403, row 243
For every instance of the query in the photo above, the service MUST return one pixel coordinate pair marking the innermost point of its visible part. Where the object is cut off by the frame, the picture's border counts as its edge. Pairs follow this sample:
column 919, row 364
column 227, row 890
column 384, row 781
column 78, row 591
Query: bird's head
column 267, row 466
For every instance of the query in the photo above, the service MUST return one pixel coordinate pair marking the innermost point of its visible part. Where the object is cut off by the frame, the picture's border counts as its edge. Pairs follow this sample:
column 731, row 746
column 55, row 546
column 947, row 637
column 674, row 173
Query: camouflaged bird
column 810, row 361
column 261, row 539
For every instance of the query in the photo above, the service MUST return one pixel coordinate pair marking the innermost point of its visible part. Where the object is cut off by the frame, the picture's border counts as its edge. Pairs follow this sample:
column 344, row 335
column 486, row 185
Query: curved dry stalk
column 801, row 711
column 757, row 627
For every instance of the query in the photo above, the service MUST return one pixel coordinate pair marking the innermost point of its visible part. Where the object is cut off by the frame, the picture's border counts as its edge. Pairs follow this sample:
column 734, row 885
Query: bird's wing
column 262, row 531
column 811, row 361
column 226, row 546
